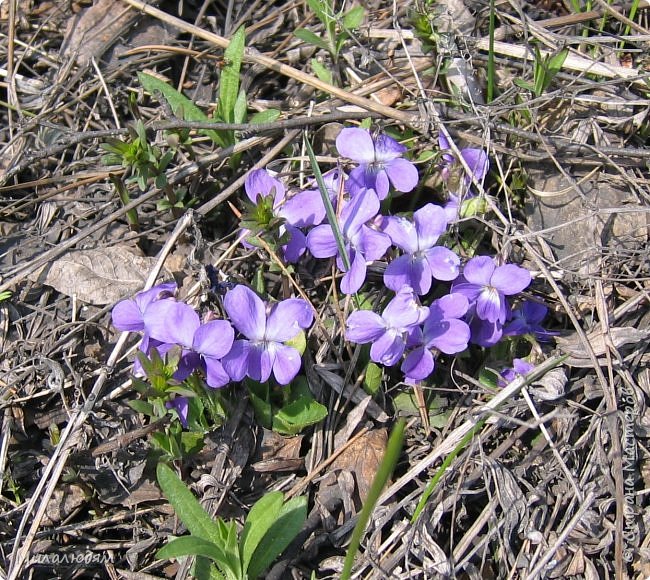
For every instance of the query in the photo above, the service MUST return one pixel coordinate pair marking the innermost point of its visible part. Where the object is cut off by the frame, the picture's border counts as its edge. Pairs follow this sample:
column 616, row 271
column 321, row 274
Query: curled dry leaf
column 98, row 276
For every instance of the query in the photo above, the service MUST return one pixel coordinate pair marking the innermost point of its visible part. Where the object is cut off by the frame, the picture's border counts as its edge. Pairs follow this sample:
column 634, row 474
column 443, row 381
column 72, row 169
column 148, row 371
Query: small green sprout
column 546, row 68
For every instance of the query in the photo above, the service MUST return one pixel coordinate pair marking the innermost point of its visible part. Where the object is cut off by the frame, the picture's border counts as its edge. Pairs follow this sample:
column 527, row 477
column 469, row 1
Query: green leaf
column 186, row 506
column 191, row 442
column 353, row 18
column 193, row 546
column 141, row 407
column 263, row 410
column 372, row 379
column 555, row 62
column 229, row 83
column 524, row 85
column 295, row 416
column 322, row 73
column 299, row 342
column 180, row 104
column 240, row 108
column 321, row 8
column 287, row 526
column 267, row 116
column 260, row 519
column 310, row 38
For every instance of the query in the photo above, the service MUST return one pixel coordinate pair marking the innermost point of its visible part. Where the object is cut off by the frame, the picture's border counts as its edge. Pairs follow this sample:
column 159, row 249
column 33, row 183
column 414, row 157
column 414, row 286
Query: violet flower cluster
column 252, row 343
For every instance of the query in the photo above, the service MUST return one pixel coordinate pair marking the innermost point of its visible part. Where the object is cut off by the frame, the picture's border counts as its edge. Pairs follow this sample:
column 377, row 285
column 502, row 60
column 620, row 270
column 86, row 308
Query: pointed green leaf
column 290, row 520
column 556, row 61
column 298, row 415
column 267, row 116
column 354, row 17
column 322, row 73
column 261, row 517
column 240, row 108
column 310, row 38
column 193, row 546
column 229, row 83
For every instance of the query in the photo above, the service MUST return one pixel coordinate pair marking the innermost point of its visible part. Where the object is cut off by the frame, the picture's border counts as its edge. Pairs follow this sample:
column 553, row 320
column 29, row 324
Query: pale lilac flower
column 527, row 319
column 128, row 314
column 519, row 368
column 422, row 259
column 388, row 332
column 260, row 184
column 181, row 405
column 476, row 159
column 381, row 162
column 266, row 329
column 442, row 330
column 486, row 286
column 203, row 345
column 363, row 244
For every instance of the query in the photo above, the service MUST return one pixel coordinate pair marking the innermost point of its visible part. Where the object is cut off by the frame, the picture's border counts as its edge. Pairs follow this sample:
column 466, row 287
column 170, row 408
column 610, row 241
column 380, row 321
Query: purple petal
column 533, row 312
column 449, row 336
column 402, row 232
column 260, row 362
column 172, row 322
column 127, row 315
column 451, row 209
column 418, row 364
column 214, row 339
column 235, row 362
column 321, row 242
column 287, row 318
column 387, row 149
column 187, row 364
column 297, row 244
column 215, row 375
column 479, row 270
column 402, row 174
column 408, row 271
column 360, row 209
column 355, row 277
column 430, row 224
column 510, row 279
column 166, row 290
column 485, row 333
column 491, row 305
column 452, row 305
column 517, row 327
column 356, row 144
column 246, row 311
column 387, row 349
column 305, row 209
column 364, row 326
column 477, row 160
column 470, row 291
column 260, row 183
column 286, row 365
column 359, row 179
column 443, row 263
column 371, row 243
column 181, row 406
column 405, row 310
column 380, row 183
column 521, row 366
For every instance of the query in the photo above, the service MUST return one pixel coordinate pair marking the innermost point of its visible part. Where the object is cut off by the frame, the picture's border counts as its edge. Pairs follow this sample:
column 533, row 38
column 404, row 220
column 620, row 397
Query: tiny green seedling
column 545, row 70
column 221, row 552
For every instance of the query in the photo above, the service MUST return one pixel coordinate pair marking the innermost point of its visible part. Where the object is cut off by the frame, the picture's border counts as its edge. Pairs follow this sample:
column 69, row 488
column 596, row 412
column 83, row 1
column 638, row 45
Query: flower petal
column 443, row 263
column 304, row 209
column 287, row 364
column 287, row 318
column 297, row 244
column 402, row 233
column 235, row 362
column 246, row 311
column 470, row 291
column 418, row 364
column 479, row 270
column 214, row 339
column 215, row 375
column 260, row 183
column 510, row 279
column 359, row 179
column 371, row 243
column 491, row 305
column 430, row 223
column 364, row 326
column 379, row 182
column 388, row 348
column 485, row 333
column 478, row 162
column 127, row 315
column 171, row 322
column 165, row 290
column 356, row 144
column 449, row 336
column 402, row 174
column 181, row 406
column 387, row 149
column 321, row 242
column 400, row 273
column 451, row 305
column 260, row 362
column 355, row 277
column 404, row 310
column 363, row 207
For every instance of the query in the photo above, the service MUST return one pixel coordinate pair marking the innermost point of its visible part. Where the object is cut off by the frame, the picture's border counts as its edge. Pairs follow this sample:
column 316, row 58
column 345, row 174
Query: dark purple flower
column 263, row 351
column 381, row 162
column 128, row 314
column 519, row 368
column 442, row 330
column 486, row 286
column 203, row 345
column 388, row 332
column 527, row 319
column 260, row 184
column 422, row 259
column 484, row 332
column 476, row 159
column 181, row 406
column 363, row 244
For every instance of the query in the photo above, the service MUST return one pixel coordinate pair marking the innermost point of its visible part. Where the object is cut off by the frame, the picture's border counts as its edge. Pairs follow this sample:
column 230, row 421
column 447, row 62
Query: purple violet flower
column 388, row 332
column 484, row 332
column 181, row 406
column 380, row 162
column 266, row 329
column 442, row 330
column 128, row 314
column 363, row 244
column 527, row 319
column 519, row 368
column 476, row 159
column 422, row 260
column 203, row 345
column 486, row 286
column 260, row 184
